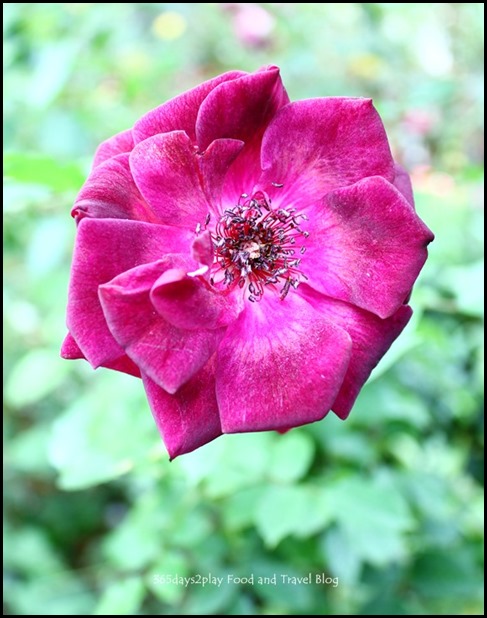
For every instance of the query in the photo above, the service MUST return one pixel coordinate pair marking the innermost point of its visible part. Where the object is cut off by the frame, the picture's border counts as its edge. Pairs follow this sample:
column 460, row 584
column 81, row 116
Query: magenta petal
column 110, row 192
column 168, row 355
column 119, row 143
column 104, row 249
column 71, row 351
column 317, row 145
column 371, row 338
column 366, row 246
column 280, row 365
column 241, row 108
column 202, row 249
column 402, row 182
column 165, row 169
column 215, row 163
column 125, row 365
column 190, row 303
column 179, row 113
column 189, row 418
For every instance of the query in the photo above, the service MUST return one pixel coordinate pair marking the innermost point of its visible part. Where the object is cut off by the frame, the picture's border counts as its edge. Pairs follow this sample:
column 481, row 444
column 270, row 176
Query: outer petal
column 179, row 113
column 167, row 171
column 168, row 355
column 280, row 365
column 119, row 143
column 189, row 418
column 105, row 248
column 402, row 182
column 71, row 351
column 110, row 192
column 366, row 246
column 317, row 145
column 371, row 338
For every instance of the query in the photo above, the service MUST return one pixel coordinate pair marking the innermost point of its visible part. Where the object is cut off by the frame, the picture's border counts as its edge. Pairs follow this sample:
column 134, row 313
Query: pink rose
column 249, row 258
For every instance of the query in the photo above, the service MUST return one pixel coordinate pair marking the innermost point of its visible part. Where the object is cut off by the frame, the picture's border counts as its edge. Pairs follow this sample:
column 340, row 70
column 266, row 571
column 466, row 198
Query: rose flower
column 249, row 258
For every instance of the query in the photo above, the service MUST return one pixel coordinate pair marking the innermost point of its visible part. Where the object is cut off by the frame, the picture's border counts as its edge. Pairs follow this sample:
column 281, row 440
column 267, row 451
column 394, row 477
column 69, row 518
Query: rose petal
column 166, row 168
column 125, row 365
column 119, row 143
column 105, row 248
column 190, row 303
column 317, row 145
column 371, row 338
column 280, row 365
column 179, row 113
column 188, row 419
column 110, row 192
column 202, row 249
column 215, row 164
column 366, row 246
column 168, row 355
column 242, row 109
column 71, row 351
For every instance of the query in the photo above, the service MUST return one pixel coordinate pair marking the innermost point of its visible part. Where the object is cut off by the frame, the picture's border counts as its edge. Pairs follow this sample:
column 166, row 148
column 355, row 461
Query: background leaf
column 43, row 170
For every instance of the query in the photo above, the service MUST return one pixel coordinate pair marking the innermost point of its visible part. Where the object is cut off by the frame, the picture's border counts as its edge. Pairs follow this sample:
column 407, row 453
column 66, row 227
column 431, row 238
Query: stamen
column 253, row 245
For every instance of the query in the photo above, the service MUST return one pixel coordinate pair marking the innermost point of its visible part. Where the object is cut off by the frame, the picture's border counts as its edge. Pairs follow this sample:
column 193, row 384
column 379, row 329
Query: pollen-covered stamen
column 256, row 246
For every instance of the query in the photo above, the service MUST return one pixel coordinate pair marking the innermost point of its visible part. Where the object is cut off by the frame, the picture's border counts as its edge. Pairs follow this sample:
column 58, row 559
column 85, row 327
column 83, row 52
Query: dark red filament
column 256, row 246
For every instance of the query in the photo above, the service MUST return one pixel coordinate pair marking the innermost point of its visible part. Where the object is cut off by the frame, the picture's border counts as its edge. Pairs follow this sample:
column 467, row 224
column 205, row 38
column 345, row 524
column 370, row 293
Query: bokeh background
column 389, row 502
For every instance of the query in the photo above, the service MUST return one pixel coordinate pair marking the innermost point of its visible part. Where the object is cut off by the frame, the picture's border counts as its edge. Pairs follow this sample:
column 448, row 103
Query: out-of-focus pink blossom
column 252, row 24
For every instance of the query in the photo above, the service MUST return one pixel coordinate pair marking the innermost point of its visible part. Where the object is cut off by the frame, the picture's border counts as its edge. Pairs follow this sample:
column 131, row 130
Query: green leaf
column 27, row 451
column 373, row 516
column 36, row 374
column 54, row 62
column 41, row 169
column 466, row 284
column 103, row 434
column 136, row 541
column 341, row 442
column 386, row 400
column 450, row 574
column 408, row 340
column 63, row 594
column 49, row 244
column 121, row 598
column 230, row 464
column 210, row 600
column 340, row 556
column 161, row 579
column 300, row 511
column 239, row 508
column 29, row 552
column 291, row 457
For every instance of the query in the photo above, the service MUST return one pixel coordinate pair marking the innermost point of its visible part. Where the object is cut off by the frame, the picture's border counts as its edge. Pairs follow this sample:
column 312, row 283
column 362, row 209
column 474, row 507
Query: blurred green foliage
column 389, row 502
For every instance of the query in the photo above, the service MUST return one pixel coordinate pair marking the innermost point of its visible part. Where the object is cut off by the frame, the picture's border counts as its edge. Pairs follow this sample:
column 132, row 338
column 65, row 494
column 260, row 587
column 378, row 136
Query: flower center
column 256, row 246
